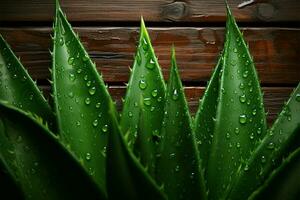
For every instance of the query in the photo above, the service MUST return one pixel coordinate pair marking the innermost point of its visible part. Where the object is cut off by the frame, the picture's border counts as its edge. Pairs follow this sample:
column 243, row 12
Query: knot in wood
column 175, row 11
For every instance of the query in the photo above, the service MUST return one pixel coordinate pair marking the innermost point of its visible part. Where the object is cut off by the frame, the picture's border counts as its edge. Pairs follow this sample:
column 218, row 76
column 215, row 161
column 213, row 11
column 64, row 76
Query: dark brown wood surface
column 154, row 10
column 274, row 97
column 276, row 51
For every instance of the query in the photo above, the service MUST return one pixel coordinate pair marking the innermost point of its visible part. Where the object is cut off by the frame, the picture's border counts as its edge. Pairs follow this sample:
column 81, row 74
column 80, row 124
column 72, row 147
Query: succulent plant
column 82, row 148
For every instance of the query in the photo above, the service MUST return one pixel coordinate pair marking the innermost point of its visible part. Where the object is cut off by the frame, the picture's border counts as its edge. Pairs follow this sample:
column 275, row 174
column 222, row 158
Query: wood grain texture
column 274, row 97
column 276, row 51
column 154, row 10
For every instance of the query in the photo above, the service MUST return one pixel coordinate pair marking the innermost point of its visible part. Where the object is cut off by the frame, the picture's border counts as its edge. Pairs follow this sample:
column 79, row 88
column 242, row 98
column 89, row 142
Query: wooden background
column 109, row 31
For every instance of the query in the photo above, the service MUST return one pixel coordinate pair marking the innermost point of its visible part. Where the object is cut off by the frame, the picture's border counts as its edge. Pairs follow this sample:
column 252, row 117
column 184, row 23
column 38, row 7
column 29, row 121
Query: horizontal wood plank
column 274, row 97
column 154, row 10
column 276, row 51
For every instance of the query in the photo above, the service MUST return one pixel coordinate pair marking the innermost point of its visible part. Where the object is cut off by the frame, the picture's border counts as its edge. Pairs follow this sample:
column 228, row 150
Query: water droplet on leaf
column 92, row 90
column 243, row 98
column 243, row 119
column 71, row 77
column 147, row 101
column 175, row 95
column 88, row 156
column 154, row 93
column 142, row 84
column 70, row 60
column 105, row 128
column 95, row 123
column 87, row 101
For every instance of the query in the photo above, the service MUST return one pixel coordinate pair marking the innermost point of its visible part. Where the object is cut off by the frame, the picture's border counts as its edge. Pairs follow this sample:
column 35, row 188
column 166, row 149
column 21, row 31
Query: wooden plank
column 274, row 98
column 276, row 50
column 154, row 10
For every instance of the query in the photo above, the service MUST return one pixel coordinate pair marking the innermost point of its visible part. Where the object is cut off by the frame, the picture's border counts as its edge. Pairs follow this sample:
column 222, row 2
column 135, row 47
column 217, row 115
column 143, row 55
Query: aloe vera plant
column 81, row 148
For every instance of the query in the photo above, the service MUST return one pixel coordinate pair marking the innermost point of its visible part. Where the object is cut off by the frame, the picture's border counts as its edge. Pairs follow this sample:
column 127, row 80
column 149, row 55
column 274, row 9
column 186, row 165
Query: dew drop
column 70, row 60
column 142, row 84
column 85, row 58
column 79, row 71
column 237, row 130
column 238, row 145
column 243, row 98
column 130, row 114
column 246, row 168
column 98, row 105
column 88, row 156
column 87, row 101
column 92, row 90
column 31, row 97
column 263, row 159
column 154, row 93
column 172, row 155
column 254, row 112
column 243, row 119
column 85, row 77
column 151, row 64
column 24, row 78
column 242, row 86
column 227, row 135
column 159, row 99
column 298, row 97
column 251, row 136
column 147, row 101
column 177, row 168
column 235, row 50
column 71, row 77
column 145, row 44
column 61, row 41
column 271, row 145
column 88, row 84
column 105, row 128
column 95, row 123
column 245, row 74
column 71, row 94
column 247, row 62
column 175, row 95
column 78, row 123
column 258, row 131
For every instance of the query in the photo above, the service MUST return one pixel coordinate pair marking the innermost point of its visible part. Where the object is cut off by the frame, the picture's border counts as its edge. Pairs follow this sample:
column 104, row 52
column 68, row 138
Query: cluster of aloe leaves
column 80, row 148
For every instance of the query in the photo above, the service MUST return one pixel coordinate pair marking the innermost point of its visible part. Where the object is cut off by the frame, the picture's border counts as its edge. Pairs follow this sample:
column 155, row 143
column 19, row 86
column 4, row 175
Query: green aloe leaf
column 17, row 87
column 8, row 186
column 273, row 148
column 126, row 177
column 204, row 120
column 178, row 162
column 81, row 100
column 40, row 164
column 283, row 183
column 240, row 119
column 146, row 89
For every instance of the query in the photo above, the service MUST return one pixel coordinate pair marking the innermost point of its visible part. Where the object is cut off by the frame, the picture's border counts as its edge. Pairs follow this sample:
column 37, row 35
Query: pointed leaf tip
column 240, row 113
column 146, row 91
column 18, row 88
column 178, row 163
column 81, row 97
